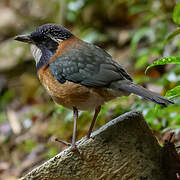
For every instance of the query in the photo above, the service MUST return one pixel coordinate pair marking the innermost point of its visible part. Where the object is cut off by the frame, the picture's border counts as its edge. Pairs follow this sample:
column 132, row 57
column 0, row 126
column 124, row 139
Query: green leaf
column 166, row 60
column 173, row 93
column 176, row 13
column 172, row 35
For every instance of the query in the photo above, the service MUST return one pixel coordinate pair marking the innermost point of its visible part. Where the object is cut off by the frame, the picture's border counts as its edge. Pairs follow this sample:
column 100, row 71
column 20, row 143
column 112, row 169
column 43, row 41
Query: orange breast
column 71, row 95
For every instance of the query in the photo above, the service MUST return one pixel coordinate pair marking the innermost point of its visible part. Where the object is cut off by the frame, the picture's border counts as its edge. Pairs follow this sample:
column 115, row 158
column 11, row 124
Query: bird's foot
column 89, row 137
column 74, row 148
column 63, row 142
column 72, row 145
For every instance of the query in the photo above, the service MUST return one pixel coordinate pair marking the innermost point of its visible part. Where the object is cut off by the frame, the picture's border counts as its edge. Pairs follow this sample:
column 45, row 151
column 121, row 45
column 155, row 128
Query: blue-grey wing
column 90, row 66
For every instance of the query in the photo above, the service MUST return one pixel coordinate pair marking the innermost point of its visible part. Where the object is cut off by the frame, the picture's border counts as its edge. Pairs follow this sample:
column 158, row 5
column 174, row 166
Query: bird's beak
column 23, row 38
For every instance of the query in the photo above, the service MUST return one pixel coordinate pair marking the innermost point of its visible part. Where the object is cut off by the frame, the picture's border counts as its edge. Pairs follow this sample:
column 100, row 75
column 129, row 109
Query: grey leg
column 97, row 110
column 75, row 113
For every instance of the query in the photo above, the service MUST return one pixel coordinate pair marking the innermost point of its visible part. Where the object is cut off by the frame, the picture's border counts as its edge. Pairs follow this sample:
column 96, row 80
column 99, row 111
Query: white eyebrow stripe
column 54, row 39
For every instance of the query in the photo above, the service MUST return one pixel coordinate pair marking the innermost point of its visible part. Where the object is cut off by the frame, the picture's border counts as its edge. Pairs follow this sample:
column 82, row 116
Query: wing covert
column 87, row 67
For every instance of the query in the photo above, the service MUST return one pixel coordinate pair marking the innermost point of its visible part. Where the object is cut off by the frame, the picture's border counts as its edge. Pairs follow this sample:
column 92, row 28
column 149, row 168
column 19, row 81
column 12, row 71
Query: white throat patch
column 36, row 52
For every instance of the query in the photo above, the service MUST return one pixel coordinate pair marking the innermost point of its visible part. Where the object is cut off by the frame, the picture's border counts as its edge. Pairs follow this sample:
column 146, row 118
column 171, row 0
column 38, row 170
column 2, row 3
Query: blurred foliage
column 176, row 13
column 173, row 94
column 134, row 32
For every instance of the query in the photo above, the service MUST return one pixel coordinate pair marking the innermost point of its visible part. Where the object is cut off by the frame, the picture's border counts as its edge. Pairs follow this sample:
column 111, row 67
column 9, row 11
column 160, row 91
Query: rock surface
column 122, row 149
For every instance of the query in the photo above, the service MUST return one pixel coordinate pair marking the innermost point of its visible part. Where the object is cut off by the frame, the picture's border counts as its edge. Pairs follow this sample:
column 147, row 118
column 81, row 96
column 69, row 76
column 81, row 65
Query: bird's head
column 45, row 38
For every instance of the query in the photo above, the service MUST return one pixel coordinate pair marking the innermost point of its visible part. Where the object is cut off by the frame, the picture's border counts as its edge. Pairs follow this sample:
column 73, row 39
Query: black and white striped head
column 45, row 38
column 50, row 33
column 47, row 35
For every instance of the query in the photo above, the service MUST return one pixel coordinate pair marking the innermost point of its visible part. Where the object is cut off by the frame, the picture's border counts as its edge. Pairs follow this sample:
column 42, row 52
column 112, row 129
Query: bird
column 79, row 75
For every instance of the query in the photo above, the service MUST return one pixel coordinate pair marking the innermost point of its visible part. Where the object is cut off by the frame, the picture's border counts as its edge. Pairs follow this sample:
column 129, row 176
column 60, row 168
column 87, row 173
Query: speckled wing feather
column 89, row 66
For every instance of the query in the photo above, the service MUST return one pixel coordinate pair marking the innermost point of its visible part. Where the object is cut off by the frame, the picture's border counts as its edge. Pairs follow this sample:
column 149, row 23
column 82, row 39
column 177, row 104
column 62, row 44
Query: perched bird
column 79, row 75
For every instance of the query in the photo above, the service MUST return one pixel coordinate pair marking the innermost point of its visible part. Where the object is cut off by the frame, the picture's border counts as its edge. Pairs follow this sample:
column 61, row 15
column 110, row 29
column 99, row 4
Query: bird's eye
column 36, row 36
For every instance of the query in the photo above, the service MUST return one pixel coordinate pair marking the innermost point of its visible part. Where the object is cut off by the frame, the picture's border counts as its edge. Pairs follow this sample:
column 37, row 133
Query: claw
column 73, row 146
column 63, row 142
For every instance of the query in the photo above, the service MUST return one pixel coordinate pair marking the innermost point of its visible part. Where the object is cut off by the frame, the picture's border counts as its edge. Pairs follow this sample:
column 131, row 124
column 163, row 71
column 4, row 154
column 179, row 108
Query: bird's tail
column 139, row 90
